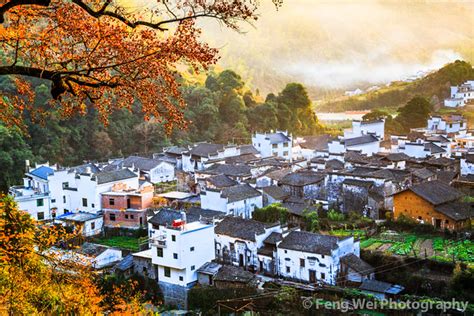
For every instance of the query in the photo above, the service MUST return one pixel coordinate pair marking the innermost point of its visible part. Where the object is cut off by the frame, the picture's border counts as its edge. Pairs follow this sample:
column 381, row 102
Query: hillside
column 434, row 87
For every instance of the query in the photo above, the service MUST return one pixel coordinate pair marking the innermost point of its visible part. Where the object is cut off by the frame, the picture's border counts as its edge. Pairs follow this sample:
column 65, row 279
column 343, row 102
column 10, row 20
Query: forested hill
column 434, row 87
column 221, row 110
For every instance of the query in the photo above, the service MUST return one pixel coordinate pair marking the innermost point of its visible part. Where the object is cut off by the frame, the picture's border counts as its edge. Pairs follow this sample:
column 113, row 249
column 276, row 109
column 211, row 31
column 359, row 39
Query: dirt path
column 426, row 246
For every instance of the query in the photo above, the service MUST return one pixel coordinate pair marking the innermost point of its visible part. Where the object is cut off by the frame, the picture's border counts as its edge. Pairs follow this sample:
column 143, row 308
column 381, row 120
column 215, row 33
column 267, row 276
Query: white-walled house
column 48, row 191
column 153, row 170
column 86, row 224
column 359, row 128
column 277, row 143
column 84, row 193
column 467, row 165
column 310, row 257
column 42, row 192
column 460, row 95
column 179, row 246
column 446, row 124
column 238, row 200
column 200, row 153
column 238, row 240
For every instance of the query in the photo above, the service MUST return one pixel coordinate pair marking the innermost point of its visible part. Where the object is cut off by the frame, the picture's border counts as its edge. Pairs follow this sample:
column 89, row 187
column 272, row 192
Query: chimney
column 88, row 170
column 27, row 165
column 183, row 216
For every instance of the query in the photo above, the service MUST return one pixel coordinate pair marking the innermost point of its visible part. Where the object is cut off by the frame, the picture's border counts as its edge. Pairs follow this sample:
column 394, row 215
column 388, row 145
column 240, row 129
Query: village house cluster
column 205, row 234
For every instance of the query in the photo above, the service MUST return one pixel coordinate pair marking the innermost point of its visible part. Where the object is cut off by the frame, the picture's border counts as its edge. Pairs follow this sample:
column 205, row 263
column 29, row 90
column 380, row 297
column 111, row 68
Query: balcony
column 159, row 241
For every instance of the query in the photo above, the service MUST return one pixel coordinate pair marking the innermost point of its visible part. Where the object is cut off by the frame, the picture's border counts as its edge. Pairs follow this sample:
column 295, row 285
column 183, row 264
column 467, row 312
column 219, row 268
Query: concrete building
column 180, row 245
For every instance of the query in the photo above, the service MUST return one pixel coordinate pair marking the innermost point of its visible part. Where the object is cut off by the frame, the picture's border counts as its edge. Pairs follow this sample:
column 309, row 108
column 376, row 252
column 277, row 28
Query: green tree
column 375, row 115
column 414, row 113
column 13, row 153
column 311, row 219
column 271, row 214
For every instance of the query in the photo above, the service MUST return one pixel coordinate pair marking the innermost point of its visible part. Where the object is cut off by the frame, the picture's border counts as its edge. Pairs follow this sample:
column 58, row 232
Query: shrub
column 335, row 216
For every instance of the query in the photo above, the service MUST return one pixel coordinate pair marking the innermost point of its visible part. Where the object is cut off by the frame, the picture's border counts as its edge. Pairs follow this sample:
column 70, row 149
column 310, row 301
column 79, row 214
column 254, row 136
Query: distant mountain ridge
column 435, row 87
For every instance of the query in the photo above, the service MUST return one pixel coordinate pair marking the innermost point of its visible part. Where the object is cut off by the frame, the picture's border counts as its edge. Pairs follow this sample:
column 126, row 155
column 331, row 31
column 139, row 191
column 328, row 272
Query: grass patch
column 367, row 243
column 122, row 242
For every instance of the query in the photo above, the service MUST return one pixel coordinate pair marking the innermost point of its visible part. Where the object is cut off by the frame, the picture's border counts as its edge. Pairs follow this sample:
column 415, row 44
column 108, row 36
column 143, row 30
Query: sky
column 343, row 45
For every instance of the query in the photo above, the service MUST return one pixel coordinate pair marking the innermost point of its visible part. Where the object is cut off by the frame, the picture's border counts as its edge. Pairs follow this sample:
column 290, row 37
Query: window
column 167, row 272
column 173, row 238
column 92, row 225
column 322, row 256
column 181, row 278
column 302, row 262
column 65, row 185
column 92, row 205
column 274, row 146
column 39, row 202
column 175, row 256
column 111, row 201
column 192, row 268
column 112, row 217
column 64, row 199
column 126, row 216
column 40, row 216
column 159, row 252
column 285, row 153
column 286, row 251
column 323, row 276
column 288, row 270
column 131, row 216
column 53, row 200
column 84, row 202
column 191, row 249
column 285, row 144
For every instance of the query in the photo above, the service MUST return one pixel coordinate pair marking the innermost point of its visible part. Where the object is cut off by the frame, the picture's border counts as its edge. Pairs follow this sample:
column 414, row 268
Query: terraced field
column 436, row 248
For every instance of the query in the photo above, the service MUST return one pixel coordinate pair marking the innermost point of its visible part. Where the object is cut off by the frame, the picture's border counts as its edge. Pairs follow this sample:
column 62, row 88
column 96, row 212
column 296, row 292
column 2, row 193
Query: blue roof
column 42, row 172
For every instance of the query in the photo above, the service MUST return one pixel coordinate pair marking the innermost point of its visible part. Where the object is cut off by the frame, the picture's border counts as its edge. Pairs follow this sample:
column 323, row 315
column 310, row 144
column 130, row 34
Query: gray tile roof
column 165, row 217
column 275, row 192
column 206, row 149
column 436, row 192
column 277, row 174
column 360, row 140
column 228, row 273
column 309, row 242
column 210, row 268
column 221, row 181
column 433, row 148
column 422, row 173
column 470, row 158
column 241, row 228
column 302, row 178
column 457, row 210
column 446, row 176
column 83, row 168
column 80, row 217
column 334, row 164
column 319, row 142
column 239, row 192
column 359, row 183
column 112, row 176
column 357, row 264
column 141, row 163
column 229, row 170
column 376, row 286
column 276, row 138
column 296, row 208
column 248, row 149
column 397, row 157
column 273, row 238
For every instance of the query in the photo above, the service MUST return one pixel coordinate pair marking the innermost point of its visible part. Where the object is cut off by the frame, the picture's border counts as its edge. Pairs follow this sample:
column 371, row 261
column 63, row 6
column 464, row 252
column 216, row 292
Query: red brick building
column 126, row 208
